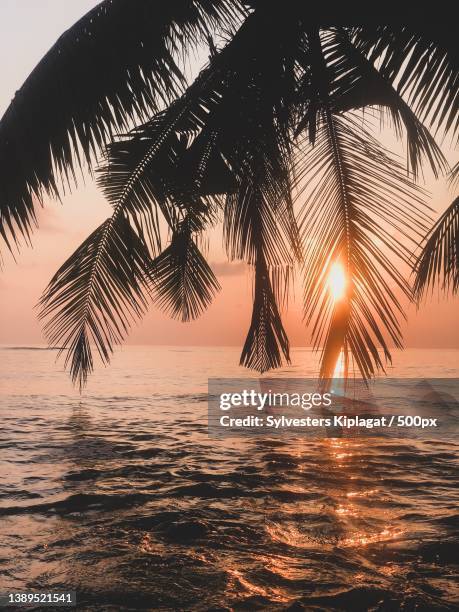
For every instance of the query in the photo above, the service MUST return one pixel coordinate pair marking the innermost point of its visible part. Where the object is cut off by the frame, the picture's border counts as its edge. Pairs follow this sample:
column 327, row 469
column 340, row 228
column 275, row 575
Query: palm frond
column 253, row 234
column 116, row 64
column 454, row 176
column 259, row 221
column 357, row 83
column 360, row 203
column 266, row 340
column 181, row 278
column 438, row 262
column 137, row 174
column 422, row 62
column 143, row 182
column 96, row 294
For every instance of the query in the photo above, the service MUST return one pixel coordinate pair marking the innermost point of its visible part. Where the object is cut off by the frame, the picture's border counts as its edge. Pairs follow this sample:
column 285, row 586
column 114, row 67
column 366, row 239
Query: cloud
column 49, row 219
column 229, row 268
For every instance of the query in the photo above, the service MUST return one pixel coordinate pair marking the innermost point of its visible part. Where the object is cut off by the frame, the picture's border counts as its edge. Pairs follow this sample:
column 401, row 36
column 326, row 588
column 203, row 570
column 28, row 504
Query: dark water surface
column 125, row 499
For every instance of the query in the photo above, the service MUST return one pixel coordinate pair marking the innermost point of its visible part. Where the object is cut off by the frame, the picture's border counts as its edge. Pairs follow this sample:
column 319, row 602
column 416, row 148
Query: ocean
column 120, row 495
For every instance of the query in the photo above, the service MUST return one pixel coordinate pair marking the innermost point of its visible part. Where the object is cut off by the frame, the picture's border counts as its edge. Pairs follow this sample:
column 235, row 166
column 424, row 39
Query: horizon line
column 295, row 346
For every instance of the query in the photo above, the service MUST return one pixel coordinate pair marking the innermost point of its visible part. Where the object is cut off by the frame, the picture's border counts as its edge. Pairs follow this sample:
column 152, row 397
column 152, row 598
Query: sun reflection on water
column 357, row 523
column 366, row 493
column 238, row 579
column 363, row 539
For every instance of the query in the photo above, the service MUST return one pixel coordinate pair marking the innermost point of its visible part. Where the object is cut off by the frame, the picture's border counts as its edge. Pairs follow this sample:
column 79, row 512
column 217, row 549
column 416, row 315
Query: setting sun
column 337, row 281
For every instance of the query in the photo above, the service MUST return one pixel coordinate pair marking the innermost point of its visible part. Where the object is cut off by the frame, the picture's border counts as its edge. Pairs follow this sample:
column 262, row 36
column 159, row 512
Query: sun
column 337, row 281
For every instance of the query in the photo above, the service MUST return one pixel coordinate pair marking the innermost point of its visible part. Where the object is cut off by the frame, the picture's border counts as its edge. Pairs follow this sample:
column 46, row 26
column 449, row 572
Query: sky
column 27, row 29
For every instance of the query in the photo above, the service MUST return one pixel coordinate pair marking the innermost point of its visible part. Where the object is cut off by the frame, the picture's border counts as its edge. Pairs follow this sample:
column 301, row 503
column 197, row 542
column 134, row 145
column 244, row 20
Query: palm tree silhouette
column 269, row 137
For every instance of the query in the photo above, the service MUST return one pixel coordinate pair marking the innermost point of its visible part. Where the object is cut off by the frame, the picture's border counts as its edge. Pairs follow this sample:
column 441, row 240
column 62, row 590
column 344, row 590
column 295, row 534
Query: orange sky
column 28, row 28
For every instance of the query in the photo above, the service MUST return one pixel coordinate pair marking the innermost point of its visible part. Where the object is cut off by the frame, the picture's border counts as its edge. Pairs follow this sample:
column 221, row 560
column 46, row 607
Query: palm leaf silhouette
column 259, row 222
column 94, row 296
column 438, row 262
column 85, row 299
column 92, row 83
column 143, row 182
column 356, row 83
column 183, row 280
column 361, row 201
column 423, row 63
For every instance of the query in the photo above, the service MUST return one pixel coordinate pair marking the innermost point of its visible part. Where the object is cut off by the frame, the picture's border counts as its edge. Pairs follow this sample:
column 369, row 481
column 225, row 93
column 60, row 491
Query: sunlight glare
column 339, row 367
column 337, row 281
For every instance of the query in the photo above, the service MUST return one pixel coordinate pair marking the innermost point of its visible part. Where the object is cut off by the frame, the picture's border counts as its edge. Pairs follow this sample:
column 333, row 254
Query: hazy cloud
column 229, row 268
